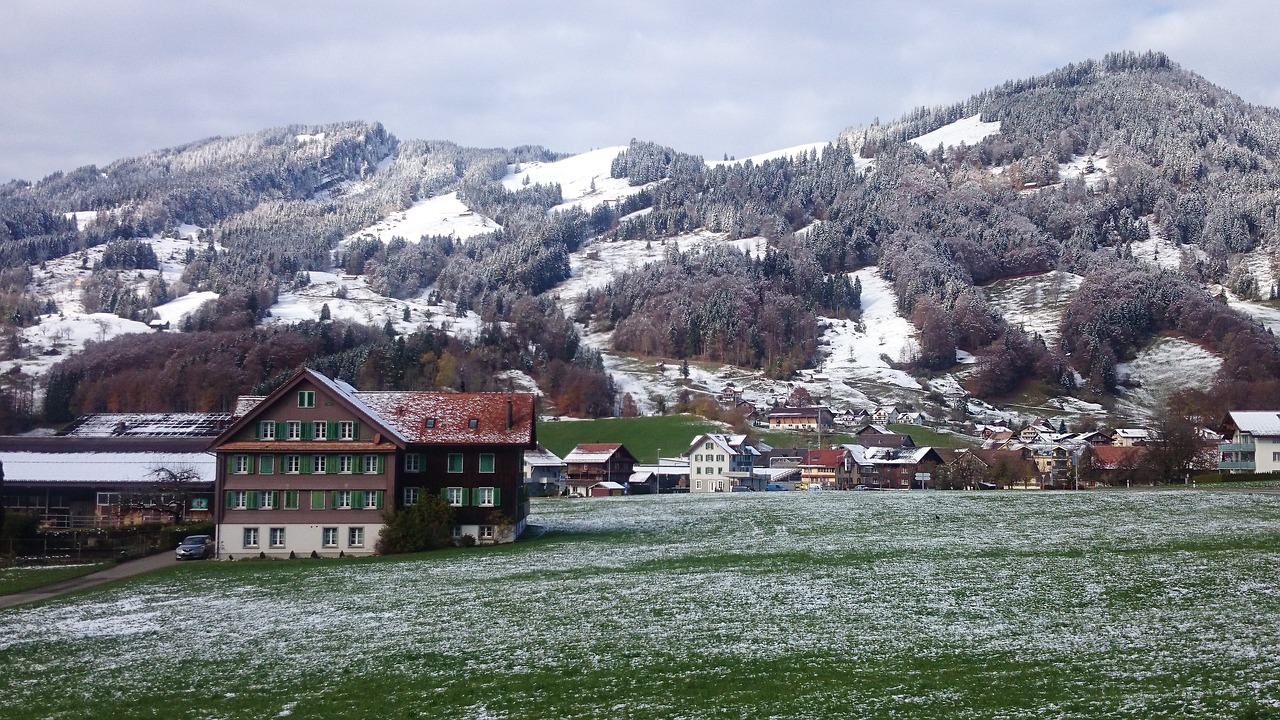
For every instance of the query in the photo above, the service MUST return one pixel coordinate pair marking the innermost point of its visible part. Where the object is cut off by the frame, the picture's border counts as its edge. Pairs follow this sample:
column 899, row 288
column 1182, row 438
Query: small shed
column 607, row 488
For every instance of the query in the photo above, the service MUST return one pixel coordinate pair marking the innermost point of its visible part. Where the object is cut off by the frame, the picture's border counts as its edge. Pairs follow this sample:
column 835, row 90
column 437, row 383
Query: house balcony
column 1225, row 448
column 1246, row 465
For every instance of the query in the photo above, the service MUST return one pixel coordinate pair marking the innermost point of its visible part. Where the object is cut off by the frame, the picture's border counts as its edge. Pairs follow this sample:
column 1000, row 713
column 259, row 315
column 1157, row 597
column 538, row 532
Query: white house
column 1251, row 442
column 718, row 462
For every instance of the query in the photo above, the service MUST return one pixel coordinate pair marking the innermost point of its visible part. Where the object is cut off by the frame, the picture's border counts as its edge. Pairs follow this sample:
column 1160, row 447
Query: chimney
column 511, row 413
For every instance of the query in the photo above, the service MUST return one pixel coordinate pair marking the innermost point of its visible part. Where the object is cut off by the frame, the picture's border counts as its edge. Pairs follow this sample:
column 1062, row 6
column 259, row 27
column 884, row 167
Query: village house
column 891, row 468
column 1251, row 442
column 1115, row 464
column 1130, row 437
column 814, row 418
column 112, row 469
column 542, row 472
column 830, row 469
column 669, row 474
column 591, row 463
column 312, row 467
column 718, row 462
column 884, row 415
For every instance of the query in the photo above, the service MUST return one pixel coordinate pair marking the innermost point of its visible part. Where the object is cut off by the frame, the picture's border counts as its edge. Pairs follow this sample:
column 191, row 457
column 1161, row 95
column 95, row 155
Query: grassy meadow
column 755, row 605
column 21, row 578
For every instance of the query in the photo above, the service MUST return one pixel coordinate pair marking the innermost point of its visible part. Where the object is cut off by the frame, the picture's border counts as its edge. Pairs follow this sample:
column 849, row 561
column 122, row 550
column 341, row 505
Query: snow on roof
column 1256, row 423
column 611, row 485
column 542, row 457
column 453, row 418
column 592, row 452
column 98, row 468
column 246, row 403
column 1135, row 433
column 149, row 425
column 350, row 395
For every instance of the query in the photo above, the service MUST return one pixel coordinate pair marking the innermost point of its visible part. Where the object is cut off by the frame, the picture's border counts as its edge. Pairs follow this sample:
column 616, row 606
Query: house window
column 267, row 430
column 276, row 537
column 1275, row 457
column 290, row 499
column 455, row 532
column 266, row 464
column 485, row 496
column 344, row 463
column 412, row 462
column 709, row 446
column 329, row 537
column 486, row 532
column 410, row 496
column 199, row 503
column 371, row 464
column 292, row 464
column 251, row 537
column 108, row 499
column 240, row 464
column 720, row 458
column 697, row 485
column 267, row 500
column 320, row 430
column 697, row 458
column 373, row 500
column 346, row 430
column 239, row 500
column 306, row 398
column 343, row 501
column 294, row 430
column 455, row 462
column 317, row 464
column 486, row 462
column 355, row 537
column 317, row 499
column 454, row 496
column 430, row 423
column 473, row 423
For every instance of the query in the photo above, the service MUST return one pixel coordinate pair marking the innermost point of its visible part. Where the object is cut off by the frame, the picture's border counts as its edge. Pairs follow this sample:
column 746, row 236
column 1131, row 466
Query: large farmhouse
column 312, row 467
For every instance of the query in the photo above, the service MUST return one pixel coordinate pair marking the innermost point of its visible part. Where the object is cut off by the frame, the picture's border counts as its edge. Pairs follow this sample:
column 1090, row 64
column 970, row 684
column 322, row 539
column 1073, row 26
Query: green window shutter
column 468, row 496
column 331, row 463
column 317, row 499
column 257, row 430
column 228, row 498
column 282, row 429
column 306, row 464
column 253, row 465
column 332, row 430
column 275, row 499
column 379, row 464
column 381, row 498
column 253, row 499
column 231, row 464
column 355, row 432
column 444, row 493
column 497, row 496
column 357, row 499
column 306, row 431
column 334, row 501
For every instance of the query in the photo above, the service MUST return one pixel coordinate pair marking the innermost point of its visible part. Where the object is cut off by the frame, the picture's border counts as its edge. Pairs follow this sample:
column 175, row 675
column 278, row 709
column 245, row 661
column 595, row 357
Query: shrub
column 423, row 526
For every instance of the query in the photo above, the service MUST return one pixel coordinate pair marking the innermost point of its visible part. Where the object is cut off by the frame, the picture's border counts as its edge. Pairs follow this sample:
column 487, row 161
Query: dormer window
column 473, row 423
column 430, row 423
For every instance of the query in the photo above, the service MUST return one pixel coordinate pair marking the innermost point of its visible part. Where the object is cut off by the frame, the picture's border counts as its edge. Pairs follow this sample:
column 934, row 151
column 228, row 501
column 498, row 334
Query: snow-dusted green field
column 821, row 605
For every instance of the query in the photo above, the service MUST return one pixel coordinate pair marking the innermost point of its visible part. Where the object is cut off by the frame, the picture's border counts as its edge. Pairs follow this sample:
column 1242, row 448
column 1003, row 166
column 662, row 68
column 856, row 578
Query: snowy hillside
column 967, row 131
column 443, row 215
column 1035, row 302
column 584, row 179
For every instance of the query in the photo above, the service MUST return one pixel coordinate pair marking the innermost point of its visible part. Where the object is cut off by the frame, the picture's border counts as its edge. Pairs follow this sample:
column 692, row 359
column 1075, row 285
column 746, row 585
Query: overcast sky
column 88, row 81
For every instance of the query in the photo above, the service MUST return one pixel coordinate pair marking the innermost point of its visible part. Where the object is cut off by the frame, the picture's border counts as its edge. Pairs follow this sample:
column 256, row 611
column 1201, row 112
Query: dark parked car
column 195, row 547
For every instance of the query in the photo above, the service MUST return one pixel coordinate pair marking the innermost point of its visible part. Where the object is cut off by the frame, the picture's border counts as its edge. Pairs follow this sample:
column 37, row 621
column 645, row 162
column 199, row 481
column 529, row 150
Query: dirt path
column 123, row 570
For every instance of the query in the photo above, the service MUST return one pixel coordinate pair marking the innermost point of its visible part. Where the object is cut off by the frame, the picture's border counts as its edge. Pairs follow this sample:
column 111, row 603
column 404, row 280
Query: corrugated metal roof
column 100, row 468
column 156, row 425
column 1257, row 423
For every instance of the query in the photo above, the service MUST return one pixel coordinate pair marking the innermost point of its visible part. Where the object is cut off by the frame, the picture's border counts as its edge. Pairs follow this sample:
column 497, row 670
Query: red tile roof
column 502, row 418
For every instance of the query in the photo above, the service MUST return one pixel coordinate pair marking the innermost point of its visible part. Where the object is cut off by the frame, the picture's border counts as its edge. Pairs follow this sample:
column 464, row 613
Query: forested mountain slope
column 1154, row 189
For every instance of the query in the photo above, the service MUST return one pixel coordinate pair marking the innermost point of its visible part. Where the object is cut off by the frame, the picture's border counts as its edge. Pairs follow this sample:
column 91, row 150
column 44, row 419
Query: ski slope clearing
column 174, row 311
column 967, row 131
column 361, row 304
column 857, row 351
column 1166, row 365
column 443, row 215
column 584, row 179
column 1034, row 302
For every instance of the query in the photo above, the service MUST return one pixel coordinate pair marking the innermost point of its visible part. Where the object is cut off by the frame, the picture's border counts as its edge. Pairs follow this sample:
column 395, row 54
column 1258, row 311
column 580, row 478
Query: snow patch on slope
column 363, row 305
column 1034, row 302
column 576, row 176
column 857, row 351
column 444, row 215
column 1166, row 365
column 969, row 131
column 790, row 152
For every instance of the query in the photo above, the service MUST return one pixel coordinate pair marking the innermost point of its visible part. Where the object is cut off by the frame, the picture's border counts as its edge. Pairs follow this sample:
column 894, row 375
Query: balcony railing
column 1237, row 465
column 1236, row 447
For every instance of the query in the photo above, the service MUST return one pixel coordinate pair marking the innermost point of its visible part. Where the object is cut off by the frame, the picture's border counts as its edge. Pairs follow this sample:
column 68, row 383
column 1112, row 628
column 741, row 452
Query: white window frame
column 485, row 497
column 346, row 430
column 319, row 463
column 355, row 536
column 453, row 496
column 697, row 485
column 344, row 464
column 329, row 537
column 267, row 429
column 370, row 464
column 107, row 499
column 267, row 500
column 410, row 496
column 344, row 500
column 275, row 537
column 462, row 463
column 306, row 398
column 485, row 532
column 493, row 463
column 413, row 462
column 455, row 532
column 370, row 500
column 266, row 464
column 320, row 430
column 240, row 465
column 250, row 537
column 293, row 430
column 292, row 464
column 239, row 499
